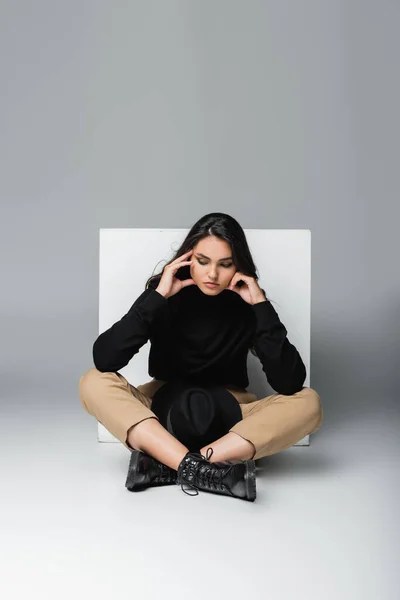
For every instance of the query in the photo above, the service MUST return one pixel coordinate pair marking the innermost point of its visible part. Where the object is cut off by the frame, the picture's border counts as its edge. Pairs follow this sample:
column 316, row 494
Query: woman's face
column 212, row 262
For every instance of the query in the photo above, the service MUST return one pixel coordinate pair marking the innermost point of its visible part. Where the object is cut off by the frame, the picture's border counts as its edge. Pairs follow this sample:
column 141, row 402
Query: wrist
column 160, row 292
column 259, row 299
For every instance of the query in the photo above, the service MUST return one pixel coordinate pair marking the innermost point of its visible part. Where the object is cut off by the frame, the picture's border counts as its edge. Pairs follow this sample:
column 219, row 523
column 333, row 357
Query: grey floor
column 324, row 524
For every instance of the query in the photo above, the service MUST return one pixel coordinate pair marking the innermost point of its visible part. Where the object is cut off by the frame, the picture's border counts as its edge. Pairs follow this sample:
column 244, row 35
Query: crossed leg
column 269, row 425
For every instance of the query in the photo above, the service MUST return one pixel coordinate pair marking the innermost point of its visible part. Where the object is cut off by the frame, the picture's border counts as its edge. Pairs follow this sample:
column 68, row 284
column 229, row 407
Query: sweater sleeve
column 280, row 360
column 114, row 348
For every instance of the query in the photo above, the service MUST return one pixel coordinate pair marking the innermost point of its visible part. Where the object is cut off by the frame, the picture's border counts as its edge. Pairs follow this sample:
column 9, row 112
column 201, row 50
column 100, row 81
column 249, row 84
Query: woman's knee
column 314, row 406
column 91, row 383
column 88, row 380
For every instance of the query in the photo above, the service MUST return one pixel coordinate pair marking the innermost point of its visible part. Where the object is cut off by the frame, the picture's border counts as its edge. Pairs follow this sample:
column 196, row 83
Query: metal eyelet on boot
column 234, row 478
column 187, row 469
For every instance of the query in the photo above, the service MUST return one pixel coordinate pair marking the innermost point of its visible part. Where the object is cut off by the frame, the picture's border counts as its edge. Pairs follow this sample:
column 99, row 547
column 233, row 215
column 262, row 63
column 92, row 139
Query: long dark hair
column 224, row 227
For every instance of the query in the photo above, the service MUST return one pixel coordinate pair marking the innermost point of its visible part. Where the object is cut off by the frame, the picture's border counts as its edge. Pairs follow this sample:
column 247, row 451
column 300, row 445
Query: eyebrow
column 204, row 256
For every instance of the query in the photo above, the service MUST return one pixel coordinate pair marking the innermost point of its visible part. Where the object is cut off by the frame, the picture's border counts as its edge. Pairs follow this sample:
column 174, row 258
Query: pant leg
column 115, row 403
column 277, row 422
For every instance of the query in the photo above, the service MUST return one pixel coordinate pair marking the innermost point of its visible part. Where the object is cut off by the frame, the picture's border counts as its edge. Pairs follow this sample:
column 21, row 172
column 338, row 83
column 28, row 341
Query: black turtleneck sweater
column 202, row 339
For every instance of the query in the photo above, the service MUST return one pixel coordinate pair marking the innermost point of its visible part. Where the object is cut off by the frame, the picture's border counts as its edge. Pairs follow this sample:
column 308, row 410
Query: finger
column 233, row 282
column 177, row 265
column 187, row 282
column 181, row 256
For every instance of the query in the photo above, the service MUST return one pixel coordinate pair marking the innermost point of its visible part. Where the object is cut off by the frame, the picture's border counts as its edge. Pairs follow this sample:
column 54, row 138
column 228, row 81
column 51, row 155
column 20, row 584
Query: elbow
column 102, row 367
column 286, row 390
column 99, row 358
column 105, row 363
column 295, row 384
column 289, row 391
column 100, row 364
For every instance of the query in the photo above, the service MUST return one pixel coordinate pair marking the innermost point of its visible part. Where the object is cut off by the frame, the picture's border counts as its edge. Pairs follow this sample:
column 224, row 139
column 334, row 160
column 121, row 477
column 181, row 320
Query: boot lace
column 206, row 476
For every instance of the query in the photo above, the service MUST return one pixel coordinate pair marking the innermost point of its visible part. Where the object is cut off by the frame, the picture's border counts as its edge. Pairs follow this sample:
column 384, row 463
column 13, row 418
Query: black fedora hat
column 195, row 415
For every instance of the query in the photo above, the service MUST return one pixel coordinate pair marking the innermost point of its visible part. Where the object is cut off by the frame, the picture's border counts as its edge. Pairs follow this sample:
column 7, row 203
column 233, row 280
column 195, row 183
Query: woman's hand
column 169, row 285
column 251, row 292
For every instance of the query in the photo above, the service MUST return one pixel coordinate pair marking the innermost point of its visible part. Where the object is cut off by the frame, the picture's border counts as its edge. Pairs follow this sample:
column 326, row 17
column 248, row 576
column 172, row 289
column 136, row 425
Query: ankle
column 178, row 461
column 230, row 447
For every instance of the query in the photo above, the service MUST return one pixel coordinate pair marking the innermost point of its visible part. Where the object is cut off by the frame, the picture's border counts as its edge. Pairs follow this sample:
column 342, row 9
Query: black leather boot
column 235, row 478
column 145, row 471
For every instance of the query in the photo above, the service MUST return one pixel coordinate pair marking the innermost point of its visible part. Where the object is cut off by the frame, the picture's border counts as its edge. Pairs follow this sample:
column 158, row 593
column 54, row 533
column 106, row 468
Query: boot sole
column 130, row 480
column 250, row 480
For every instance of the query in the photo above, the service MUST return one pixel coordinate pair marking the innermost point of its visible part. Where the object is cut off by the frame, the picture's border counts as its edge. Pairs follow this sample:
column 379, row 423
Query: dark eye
column 225, row 265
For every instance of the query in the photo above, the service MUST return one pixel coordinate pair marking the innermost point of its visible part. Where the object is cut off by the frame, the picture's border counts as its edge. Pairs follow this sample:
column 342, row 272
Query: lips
column 211, row 283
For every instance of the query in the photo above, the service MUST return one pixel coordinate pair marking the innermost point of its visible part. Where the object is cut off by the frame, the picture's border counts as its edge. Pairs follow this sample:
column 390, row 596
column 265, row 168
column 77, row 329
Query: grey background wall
column 151, row 114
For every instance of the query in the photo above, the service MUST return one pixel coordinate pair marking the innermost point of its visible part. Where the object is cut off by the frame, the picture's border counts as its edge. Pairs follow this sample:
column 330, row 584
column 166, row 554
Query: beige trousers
column 272, row 424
